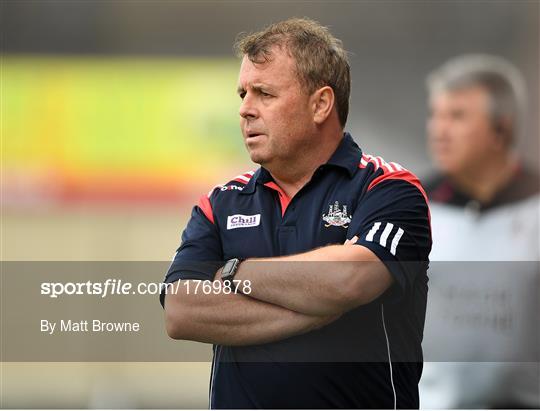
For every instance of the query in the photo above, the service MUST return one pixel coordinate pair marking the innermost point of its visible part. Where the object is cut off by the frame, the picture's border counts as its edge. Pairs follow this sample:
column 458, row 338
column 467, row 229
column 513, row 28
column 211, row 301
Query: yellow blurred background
column 105, row 156
column 90, row 129
column 102, row 159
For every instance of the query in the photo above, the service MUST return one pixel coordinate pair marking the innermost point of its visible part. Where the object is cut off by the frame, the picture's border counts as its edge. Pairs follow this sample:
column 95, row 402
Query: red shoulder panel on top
column 204, row 202
column 391, row 171
column 206, row 207
column 244, row 178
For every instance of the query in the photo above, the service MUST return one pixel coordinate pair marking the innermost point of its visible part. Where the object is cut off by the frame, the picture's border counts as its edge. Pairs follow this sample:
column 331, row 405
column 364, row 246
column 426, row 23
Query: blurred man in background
column 485, row 207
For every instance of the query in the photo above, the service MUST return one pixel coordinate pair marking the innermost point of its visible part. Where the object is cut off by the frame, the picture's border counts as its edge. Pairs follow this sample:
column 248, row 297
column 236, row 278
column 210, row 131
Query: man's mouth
column 253, row 134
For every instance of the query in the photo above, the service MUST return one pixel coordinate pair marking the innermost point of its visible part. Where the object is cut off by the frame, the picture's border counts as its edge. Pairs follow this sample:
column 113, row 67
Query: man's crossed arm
column 289, row 296
column 325, row 281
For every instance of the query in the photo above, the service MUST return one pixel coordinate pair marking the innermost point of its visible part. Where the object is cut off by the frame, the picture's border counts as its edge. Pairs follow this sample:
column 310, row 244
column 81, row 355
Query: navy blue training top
column 371, row 357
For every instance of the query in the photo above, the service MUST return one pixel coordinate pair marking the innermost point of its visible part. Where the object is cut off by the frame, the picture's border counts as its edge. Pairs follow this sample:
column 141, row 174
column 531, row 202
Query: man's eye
column 265, row 94
column 242, row 95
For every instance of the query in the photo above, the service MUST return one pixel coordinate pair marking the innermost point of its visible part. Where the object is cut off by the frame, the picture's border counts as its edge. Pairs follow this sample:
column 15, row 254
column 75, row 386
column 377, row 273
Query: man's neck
column 483, row 183
column 291, row 177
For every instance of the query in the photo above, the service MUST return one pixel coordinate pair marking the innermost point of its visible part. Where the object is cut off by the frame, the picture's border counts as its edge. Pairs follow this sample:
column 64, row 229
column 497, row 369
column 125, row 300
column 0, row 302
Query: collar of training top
column 347, row 156
column 523, row 184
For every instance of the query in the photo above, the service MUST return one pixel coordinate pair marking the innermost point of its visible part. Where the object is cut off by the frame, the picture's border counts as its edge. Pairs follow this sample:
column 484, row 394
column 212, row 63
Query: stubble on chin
column 256, row 156
column 259, row 153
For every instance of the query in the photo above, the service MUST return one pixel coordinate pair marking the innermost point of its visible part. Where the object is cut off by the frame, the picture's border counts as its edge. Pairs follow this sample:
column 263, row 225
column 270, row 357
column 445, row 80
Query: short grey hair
column 502, row 81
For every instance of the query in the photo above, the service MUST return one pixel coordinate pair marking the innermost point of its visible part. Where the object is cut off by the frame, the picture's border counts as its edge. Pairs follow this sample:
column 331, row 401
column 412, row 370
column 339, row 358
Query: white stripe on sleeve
column 386, row 233
column 373, row 231
column 395, row 241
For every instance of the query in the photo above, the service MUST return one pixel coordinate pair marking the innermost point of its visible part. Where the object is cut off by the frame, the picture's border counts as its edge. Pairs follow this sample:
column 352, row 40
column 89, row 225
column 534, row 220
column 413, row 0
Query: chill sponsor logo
column 243, row 221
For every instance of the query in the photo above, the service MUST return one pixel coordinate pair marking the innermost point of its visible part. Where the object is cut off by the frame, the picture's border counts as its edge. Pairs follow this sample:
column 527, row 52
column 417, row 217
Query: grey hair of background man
column 502, row 81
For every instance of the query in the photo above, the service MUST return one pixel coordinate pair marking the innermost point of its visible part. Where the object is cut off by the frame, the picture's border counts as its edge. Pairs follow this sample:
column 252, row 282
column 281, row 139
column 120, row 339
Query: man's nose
column 247, row 107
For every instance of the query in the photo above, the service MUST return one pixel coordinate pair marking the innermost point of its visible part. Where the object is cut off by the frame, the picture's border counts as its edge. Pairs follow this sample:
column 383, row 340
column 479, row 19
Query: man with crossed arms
column 334, row 243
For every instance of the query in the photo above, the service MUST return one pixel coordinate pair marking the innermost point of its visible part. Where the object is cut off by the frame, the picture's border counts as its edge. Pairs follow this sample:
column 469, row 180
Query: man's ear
column 322, row 103
column 503, row 130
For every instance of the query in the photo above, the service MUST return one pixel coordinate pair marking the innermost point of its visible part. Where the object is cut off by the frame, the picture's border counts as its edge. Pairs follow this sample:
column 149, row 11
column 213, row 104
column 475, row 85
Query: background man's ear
column 503, row 129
